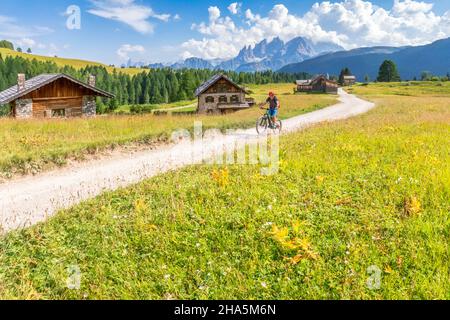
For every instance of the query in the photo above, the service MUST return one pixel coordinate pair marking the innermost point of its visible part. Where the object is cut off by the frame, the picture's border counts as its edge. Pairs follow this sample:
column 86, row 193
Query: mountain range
column 276, row 54
column 303, row 55
column 265, row 55
column 411, row 61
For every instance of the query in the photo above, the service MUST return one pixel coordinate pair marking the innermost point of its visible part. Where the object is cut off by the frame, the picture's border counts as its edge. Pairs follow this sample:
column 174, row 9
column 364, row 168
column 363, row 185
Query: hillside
column 411, row 61
column 61, row 62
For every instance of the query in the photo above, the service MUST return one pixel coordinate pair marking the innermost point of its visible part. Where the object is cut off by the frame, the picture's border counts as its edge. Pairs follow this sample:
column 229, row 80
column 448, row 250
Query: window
column 58, row 113
column 235, row 99
column 223, row 99
column 209, row 99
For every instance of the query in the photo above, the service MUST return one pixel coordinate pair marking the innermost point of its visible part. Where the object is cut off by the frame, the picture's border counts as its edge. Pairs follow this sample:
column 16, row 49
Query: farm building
column 220, row 95
column 52, row 96
column 318, row 84
column 349, row 80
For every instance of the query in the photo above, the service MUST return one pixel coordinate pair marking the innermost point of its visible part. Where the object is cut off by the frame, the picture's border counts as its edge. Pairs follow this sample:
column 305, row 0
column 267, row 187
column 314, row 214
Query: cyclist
column 274, row 105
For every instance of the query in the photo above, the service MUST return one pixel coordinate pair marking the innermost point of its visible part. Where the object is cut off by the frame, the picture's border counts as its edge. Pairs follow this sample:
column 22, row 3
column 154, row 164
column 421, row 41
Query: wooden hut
column 349, row 80
column 220, row 95
column 52, row 96
column 318, row 84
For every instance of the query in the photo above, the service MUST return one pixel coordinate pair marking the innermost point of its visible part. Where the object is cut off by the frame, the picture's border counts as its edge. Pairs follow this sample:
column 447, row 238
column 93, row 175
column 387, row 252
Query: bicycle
column 265, row 122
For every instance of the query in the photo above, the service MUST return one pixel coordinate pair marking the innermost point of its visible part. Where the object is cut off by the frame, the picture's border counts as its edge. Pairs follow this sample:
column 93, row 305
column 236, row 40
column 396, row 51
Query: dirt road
column 30, row 200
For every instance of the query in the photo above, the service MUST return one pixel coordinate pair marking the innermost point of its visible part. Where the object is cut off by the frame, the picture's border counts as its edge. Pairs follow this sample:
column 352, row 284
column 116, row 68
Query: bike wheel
column 279, row 126
column 276, row 127
column 261, row 125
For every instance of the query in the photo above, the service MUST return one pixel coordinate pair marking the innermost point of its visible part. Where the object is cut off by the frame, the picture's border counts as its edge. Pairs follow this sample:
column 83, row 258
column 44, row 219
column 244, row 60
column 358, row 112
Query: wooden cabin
column 318, row 84
column 52, row 96
column 220, row 95
column 349, row 80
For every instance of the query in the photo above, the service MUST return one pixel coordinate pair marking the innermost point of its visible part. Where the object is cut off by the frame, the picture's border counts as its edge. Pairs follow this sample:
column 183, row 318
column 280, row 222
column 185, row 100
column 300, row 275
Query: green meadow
column 35, row 145
column 359, row 210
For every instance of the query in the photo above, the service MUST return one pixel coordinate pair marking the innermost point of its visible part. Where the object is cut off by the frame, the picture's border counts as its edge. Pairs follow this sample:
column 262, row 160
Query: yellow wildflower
column 221, row 177
column 412, row 206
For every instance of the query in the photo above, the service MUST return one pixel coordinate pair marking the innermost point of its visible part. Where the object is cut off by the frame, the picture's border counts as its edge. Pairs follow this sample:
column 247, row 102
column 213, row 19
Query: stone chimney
column 20, row 82
column 91, row 80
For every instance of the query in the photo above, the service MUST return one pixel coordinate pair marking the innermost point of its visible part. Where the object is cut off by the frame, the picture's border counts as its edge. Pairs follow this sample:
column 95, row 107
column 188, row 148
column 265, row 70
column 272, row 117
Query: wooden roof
column 303, row 82
column 320, row 77
column 35, row 83
column 313, row 80
column 207, row 84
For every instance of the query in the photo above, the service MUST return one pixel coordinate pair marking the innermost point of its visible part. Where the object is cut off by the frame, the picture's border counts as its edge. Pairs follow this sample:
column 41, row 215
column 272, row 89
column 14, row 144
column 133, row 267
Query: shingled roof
column 213, row 80
column 35, row 83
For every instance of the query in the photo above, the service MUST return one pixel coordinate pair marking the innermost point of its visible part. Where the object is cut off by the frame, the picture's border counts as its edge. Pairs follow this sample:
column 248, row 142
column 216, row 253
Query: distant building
column 220, row 95
column 318, row 84
column 349, row 80
column 52, row 96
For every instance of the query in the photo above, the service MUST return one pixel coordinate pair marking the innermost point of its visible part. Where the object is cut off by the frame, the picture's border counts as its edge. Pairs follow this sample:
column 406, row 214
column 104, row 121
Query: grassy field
column 34, row 145
column 412, row 88
column 353, row 200
column 61, row 62
column 124, row 109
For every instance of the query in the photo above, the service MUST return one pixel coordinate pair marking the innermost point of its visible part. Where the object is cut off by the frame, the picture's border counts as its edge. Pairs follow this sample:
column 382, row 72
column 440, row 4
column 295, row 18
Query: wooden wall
column 61, row 88
column 60, row 94
column 223, row 86
column 72, row 106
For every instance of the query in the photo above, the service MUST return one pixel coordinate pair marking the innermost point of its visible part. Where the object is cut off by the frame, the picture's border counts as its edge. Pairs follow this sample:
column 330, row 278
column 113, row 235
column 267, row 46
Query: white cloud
column 128, row 12
column 10, row 28
column 235, row 7
column 409, row 6
column 124, row 51
column 349, row 23
column 22, row 35
column 26, row 43
column 214, row 13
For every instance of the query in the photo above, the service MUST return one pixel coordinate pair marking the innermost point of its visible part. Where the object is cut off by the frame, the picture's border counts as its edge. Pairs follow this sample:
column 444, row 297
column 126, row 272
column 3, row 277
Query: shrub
column 142, row 108
column 4, row 110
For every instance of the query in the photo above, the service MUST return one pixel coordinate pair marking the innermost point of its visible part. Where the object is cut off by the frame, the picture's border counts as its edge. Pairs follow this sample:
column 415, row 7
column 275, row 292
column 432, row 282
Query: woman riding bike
column 274, row 105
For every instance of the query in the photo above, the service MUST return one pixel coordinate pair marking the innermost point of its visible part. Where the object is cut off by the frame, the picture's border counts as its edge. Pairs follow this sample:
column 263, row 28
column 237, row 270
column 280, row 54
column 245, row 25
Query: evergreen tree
column 425, row 75
column 146, row 97
column 6, row 44
column 113, row 105
column 131, row 92
column 29, row 50
column 388, row 72
column 188, row 85
column 175, row 87
column 165, row 95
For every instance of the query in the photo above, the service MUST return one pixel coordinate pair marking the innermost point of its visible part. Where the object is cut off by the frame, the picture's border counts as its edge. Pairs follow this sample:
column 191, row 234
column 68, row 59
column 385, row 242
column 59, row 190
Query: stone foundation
column 24, row 108
column 89, row 107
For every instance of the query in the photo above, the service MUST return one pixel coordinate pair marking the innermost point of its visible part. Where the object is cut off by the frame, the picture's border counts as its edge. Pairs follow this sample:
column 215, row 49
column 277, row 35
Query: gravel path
column 30, row 200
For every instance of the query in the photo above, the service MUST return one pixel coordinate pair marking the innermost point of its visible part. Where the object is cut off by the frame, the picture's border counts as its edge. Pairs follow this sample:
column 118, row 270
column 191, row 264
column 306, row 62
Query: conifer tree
column 388, row 72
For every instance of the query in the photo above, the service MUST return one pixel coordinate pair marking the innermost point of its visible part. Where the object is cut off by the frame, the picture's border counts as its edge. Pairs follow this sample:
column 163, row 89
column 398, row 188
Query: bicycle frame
column 268, row 117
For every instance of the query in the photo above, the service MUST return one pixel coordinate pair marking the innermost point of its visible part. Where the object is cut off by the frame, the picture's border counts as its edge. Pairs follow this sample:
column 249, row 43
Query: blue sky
column 114, row 30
